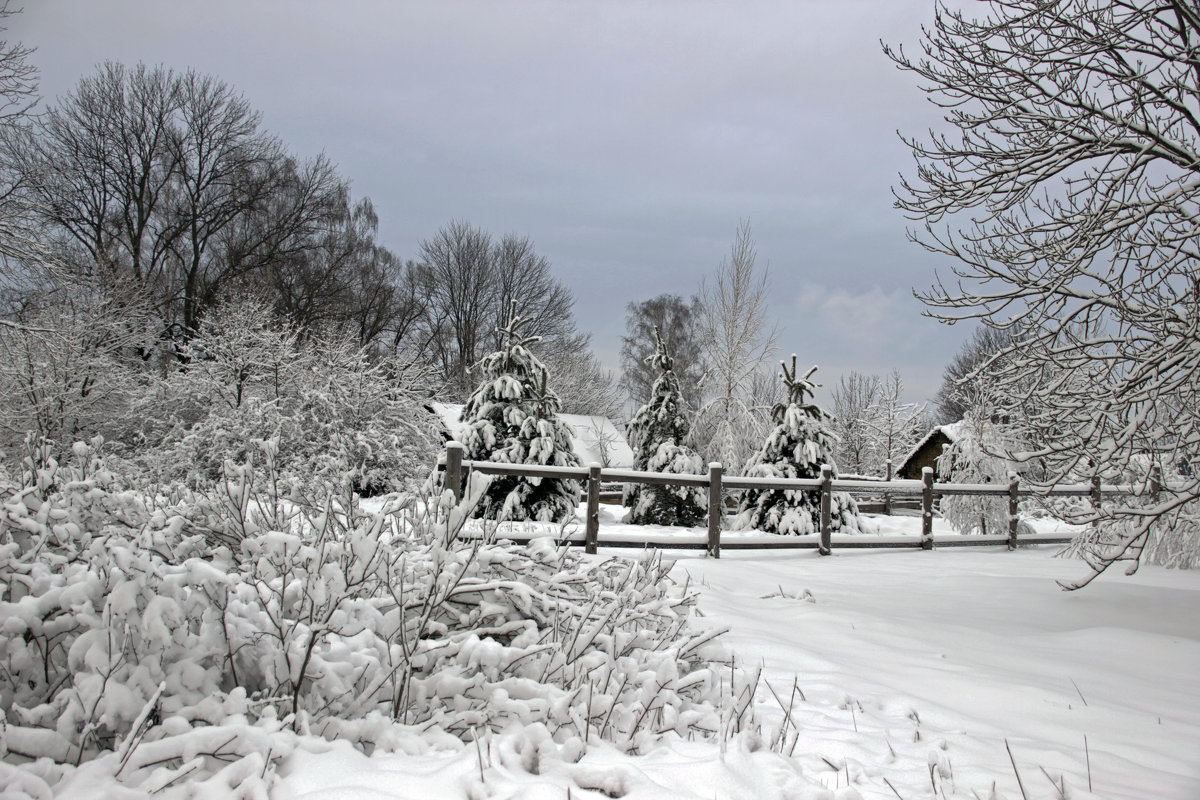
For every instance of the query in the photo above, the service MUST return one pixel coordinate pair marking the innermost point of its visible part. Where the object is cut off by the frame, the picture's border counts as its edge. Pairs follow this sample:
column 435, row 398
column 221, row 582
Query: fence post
column 1097, row 494
column 826, row 509
column 592, row 533
column 1013, row 492
column 714, row 509
column 927, row 508
column 887, row 496
column 454, row 459
column 1155, row 480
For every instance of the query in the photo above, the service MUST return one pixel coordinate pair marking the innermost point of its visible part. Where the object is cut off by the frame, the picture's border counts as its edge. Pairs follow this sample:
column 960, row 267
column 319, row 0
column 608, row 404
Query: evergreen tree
column 656, row 434
column 511, row 418
column 797, row 447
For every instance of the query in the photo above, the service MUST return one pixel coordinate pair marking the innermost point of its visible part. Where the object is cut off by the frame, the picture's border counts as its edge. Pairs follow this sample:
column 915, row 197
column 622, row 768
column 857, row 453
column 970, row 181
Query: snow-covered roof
column 952, row 432
column 596, row 438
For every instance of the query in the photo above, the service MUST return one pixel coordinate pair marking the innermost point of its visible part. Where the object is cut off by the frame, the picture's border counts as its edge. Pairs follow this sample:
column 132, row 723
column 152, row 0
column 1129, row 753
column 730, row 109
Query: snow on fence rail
column 716, row 483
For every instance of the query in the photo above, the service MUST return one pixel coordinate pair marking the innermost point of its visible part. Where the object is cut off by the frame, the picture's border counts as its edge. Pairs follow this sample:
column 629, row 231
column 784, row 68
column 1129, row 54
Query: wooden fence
column 715, row 483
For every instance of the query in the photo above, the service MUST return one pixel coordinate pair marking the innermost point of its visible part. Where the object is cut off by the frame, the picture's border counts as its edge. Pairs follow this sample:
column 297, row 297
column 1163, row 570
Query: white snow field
column 921, row 672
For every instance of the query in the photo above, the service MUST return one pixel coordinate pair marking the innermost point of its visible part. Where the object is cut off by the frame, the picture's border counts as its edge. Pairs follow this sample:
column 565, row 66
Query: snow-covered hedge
column 130, row 619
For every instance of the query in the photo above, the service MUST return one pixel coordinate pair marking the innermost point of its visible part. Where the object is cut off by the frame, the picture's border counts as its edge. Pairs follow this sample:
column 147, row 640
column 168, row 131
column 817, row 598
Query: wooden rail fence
column 716, row 482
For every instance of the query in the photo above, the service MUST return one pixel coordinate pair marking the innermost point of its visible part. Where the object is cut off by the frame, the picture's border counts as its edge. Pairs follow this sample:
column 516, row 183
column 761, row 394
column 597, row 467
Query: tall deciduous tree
column 1069, row 199
column 18, row 94
column 873, row 423
column 736, row 337
column 676, row 319
column 166, row 182
column 853, row 398
column 963, row 377
column 469, row 280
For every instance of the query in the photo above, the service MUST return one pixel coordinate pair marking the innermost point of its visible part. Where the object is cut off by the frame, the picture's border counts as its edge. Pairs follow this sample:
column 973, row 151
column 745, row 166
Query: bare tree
column 958, row 392
column 873, row 423
column 581, row 382
column 895, row 425
column 18, row 95
column 1070, row 200
column 676, row 319
column 468, row 281
column 736, row 338
column 854, row 399
column 166, row 181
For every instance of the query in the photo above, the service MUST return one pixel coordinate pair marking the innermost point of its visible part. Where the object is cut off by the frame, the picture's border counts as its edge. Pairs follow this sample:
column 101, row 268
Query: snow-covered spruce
column 797, row 447
column 128, row 632
column 511, row 418
column 656, row 434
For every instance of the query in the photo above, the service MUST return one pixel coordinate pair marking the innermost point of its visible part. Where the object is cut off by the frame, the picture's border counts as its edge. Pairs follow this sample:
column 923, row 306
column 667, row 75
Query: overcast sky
column 627, row 139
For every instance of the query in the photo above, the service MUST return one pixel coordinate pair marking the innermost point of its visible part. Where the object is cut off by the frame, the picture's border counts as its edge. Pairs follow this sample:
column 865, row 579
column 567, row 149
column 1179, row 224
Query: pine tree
column 656, row 434
column 511, row 418
column 797, row 447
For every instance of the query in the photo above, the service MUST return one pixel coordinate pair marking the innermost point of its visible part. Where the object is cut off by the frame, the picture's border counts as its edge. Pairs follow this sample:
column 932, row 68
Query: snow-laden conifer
column 511, row 418
column 797, row 447
column 656, row 434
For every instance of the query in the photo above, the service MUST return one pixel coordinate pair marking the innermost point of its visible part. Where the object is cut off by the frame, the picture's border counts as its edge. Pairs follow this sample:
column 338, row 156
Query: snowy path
column 907, row 660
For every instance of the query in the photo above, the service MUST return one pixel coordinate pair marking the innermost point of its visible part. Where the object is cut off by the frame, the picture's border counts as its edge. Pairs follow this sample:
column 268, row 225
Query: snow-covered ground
column 920, row 673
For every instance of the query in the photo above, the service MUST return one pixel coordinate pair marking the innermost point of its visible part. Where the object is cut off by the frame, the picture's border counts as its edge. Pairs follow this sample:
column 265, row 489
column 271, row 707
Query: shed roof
column 594, row 436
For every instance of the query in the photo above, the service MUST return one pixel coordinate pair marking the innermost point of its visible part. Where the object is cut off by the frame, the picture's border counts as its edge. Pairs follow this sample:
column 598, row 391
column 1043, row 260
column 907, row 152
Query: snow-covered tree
column 895, row 426
column 657, row 433
column 977, row 456
column 854, row 397
column 873, row 424
column 62, row 374
column 511, row 418
column 1069, row 198
column 331, row 410
column 735, row 336
column 800, row 443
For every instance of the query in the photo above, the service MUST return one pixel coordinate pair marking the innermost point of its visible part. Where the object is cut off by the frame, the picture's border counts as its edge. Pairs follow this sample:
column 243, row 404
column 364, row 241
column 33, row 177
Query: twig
column 1088, row 755
column 1081, row 697
column 138, row 730
column 479, row 755
column 893, row 788
column 1020, row 785
column 1060, row 787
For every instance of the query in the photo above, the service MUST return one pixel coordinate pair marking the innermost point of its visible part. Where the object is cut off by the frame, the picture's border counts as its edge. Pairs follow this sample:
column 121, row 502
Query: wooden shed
column 927, row 451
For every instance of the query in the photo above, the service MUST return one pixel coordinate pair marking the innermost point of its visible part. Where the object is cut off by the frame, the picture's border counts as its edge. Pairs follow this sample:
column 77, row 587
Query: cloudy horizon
column 627, row 139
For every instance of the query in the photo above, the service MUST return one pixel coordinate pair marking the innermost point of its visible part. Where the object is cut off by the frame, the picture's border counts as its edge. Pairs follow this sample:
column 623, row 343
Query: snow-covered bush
column 62, row 376
column 977, row 456
column 797, row 447
column 332, row 412
column 511, row 418
column 147, row 626
column 657, row 433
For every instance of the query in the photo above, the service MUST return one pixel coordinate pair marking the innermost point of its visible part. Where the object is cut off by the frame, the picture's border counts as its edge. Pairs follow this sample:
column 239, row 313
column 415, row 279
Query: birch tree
column 736, row 336
column 1069, row 200
column 853, row 397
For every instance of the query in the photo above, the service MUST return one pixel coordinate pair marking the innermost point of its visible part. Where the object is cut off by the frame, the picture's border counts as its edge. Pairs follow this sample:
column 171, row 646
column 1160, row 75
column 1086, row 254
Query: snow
column 908, row 674
column 596, row 439
column 908, row 661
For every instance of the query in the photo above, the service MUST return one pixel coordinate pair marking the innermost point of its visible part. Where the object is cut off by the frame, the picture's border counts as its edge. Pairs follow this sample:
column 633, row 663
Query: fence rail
column 715, row 482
